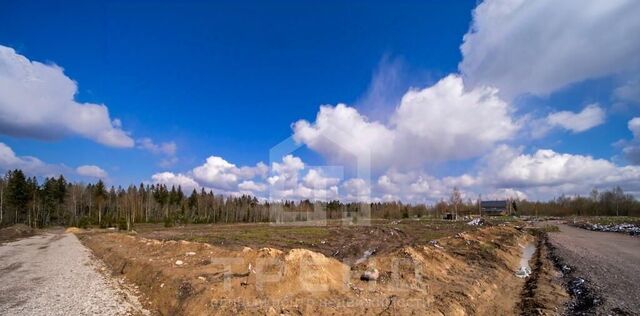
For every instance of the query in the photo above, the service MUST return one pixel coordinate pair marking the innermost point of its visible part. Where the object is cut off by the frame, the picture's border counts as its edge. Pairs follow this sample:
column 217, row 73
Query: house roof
column 493, row 204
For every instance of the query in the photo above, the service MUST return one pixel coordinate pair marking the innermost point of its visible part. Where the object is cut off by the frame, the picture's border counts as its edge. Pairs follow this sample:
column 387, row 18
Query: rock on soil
column 370, row 275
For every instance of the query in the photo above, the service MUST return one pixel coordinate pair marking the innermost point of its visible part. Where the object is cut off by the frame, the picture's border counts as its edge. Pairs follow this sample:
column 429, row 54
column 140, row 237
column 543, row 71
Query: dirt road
column 611, row 261
column 54, row 274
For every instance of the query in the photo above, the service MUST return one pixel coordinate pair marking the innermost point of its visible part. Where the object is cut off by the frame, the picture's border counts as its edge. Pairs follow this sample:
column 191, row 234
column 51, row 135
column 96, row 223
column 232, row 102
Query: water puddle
column 524, row 270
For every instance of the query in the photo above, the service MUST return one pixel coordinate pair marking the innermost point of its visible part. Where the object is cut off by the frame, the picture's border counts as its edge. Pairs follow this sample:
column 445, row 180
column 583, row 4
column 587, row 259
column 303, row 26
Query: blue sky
column 229, row 79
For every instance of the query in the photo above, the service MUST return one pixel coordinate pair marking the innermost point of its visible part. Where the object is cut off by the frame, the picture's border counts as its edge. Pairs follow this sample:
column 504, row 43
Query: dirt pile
column 14, row 232
column 74, row 230
column 470, row 273
column 193, row 278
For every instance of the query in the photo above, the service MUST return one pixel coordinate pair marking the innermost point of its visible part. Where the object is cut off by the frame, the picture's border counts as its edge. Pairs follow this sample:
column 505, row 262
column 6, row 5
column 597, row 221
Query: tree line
column 57, row 201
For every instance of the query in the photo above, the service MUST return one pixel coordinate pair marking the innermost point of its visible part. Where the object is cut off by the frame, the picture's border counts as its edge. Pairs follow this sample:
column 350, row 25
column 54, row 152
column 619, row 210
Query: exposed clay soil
column 470, row 273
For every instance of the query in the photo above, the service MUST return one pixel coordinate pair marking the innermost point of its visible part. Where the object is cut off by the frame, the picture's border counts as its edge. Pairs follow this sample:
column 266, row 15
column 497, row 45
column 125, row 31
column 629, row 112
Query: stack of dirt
column 471, row 273
column 74, row 230
column 14, row 232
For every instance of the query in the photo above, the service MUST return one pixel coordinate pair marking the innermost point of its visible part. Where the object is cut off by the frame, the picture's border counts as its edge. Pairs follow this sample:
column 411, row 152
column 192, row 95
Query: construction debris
column 476, row 222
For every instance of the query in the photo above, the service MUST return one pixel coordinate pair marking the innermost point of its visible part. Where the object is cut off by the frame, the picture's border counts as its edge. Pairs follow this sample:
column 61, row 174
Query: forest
column 57, row 201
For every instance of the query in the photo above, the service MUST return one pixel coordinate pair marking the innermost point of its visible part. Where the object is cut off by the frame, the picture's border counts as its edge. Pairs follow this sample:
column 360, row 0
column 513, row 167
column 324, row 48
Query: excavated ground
column 468, row 273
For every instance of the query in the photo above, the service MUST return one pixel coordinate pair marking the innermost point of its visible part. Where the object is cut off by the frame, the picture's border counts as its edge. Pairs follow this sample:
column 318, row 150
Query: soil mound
column 74, row 230
column 14, row 232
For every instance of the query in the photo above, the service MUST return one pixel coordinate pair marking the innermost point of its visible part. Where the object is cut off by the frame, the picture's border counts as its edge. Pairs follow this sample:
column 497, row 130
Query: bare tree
column 455, row 200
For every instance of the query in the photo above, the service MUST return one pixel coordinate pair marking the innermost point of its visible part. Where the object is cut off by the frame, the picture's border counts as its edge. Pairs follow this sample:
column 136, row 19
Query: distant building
column 497, row 208
column 449, row 216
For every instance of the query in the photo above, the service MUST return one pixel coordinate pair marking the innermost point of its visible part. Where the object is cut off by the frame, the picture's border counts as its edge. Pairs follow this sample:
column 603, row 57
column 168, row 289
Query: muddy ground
column 421, row 267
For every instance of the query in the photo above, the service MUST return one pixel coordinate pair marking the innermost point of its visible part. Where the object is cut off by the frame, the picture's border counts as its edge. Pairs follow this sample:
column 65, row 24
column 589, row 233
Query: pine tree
column 99, row 193
column 17, row 194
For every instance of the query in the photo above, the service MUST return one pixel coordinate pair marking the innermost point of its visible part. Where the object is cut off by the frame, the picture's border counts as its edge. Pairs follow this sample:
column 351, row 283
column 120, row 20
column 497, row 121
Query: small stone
column 370, row 275
column 179, row 262
column 190, row 253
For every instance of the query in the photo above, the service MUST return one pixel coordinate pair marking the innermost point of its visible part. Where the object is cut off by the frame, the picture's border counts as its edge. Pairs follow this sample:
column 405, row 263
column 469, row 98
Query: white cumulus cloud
column 541, row 46
column 591, row 116
column 438, row 123
column 175, row 179
column 91, row 171
column 32, row 166
column 219, row 173
column 551, row 173
column 38, row 100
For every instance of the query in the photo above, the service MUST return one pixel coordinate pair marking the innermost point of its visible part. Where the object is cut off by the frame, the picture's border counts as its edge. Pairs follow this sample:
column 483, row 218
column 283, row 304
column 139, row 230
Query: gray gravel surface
column 611, row 261
column 54, row 274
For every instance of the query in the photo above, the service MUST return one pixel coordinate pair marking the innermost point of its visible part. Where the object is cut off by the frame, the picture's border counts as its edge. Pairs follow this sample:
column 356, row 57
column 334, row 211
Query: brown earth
column 345, row 243
column 15, row 232
column 470, row 273
column 543, row 293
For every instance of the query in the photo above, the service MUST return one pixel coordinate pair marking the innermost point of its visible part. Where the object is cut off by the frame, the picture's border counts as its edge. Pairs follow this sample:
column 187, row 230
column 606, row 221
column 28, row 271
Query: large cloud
column 631, row 149
column 546, row 173
column 438, row 123
column 541, row 46
column 219, row 173
column 38, row 100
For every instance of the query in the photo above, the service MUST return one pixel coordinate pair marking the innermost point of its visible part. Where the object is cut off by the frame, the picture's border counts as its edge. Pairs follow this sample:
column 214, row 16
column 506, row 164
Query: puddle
column 524, row 270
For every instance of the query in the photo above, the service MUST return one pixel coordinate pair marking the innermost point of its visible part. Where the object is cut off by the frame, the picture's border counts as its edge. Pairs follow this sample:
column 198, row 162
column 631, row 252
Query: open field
column 428, row 267
column 345, row 243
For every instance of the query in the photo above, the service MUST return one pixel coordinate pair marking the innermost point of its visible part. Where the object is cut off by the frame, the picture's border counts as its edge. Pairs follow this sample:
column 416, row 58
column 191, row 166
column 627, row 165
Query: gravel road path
column 54, row 274
column 611, row 261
